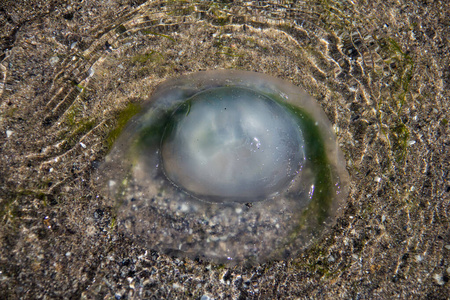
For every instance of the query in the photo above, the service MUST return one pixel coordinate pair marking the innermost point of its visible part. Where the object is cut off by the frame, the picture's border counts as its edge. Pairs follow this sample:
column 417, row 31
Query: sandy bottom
column 72, row 73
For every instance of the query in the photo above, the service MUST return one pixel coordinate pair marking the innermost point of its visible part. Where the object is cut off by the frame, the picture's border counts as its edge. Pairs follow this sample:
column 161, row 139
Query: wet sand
column 72, row 73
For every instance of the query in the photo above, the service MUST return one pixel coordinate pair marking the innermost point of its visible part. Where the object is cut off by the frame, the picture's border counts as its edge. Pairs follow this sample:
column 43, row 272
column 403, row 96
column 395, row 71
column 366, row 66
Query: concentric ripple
column 101, row 86
column 347, row 59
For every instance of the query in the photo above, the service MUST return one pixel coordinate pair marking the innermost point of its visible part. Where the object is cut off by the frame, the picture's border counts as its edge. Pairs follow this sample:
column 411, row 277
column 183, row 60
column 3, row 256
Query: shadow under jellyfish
column 229, row 166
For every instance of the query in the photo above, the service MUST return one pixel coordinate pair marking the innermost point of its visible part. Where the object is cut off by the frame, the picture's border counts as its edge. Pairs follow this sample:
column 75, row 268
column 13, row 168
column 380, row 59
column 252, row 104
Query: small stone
column 177, row 286
column 184, row 207
column 53, row 60
column 9, row 133
column 439, row 279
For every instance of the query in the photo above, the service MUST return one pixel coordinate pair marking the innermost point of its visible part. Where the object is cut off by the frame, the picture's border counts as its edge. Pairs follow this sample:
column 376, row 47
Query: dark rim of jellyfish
column 312, row 219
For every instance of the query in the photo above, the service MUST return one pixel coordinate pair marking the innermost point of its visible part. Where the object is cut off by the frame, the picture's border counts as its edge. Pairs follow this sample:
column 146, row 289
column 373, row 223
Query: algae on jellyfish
column 229, row 166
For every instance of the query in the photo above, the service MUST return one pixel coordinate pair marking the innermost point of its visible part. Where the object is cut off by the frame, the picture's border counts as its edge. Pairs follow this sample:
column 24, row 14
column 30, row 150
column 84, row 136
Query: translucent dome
column 232, row 144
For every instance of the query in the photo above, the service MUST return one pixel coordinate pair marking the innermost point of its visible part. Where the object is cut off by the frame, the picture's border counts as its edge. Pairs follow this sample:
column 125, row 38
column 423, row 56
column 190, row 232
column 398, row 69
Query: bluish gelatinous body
column 232, row 144
column 228, row 166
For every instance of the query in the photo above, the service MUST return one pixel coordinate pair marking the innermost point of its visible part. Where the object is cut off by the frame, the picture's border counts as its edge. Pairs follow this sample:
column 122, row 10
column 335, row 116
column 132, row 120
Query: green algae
column 122, row 118
column 400, row 136
column 152, row 56
column 159, row 34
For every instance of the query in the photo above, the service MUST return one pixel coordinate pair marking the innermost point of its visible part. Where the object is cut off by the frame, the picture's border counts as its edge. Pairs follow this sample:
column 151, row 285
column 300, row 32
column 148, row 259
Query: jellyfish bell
column 232, row 144
column 230, row 166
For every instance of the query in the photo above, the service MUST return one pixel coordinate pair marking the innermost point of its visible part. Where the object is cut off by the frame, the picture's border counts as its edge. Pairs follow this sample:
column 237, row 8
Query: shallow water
column 71, row 78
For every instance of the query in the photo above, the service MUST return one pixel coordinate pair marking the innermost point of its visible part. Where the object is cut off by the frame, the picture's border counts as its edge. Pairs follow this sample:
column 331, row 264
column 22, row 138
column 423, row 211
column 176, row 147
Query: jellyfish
column 228, row 166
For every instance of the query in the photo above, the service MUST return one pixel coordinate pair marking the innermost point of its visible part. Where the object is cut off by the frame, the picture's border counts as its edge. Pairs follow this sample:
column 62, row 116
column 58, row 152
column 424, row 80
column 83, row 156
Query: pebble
column 53, row 60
